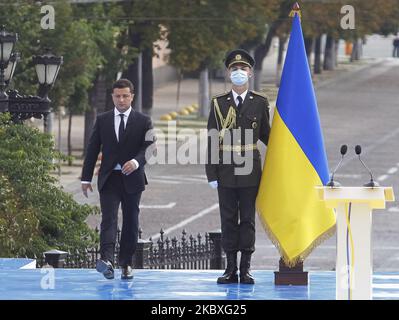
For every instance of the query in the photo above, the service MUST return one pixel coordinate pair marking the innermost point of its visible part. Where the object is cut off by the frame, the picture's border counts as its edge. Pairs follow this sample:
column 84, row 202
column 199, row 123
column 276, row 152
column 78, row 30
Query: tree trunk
column 138, row 97
column 309, row 44
column 336, row 49
column 280, row 57
column 317, row 56
column 109, row 104
column 329, row 54
column 48, row 124
column 179, row 79
column 203, row 94
column 132, row 70
column 97, row 103
column 69, row 138
column 148, row 82
column 261, row 52
column 354, row 53
column 251, row 80
column 90, row 116
column 357, row 50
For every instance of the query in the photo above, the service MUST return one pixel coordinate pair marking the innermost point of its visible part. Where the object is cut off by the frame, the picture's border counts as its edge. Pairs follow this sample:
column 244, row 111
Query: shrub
column 36, row 214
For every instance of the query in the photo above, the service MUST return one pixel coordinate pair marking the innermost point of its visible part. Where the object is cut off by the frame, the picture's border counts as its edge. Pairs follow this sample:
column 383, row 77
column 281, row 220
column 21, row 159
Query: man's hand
column 85, row 187
column 213, row 184
column 129, row 167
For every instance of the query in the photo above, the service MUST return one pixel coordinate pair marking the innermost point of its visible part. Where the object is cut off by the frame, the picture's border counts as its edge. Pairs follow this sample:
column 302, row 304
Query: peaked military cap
column 238, row 56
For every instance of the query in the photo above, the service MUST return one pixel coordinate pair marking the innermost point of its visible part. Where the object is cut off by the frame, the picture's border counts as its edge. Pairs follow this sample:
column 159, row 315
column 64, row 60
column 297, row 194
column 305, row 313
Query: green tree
column 30, row 193
column 203, row 31
column 140, row 21
column 18, row 223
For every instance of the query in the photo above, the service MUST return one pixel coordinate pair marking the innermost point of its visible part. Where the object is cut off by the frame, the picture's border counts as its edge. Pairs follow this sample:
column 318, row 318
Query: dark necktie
column 239, row 105
column 121, row 127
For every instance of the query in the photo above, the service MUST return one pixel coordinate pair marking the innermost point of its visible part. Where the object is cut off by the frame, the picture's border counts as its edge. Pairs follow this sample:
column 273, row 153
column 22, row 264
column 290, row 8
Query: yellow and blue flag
column 287, row 202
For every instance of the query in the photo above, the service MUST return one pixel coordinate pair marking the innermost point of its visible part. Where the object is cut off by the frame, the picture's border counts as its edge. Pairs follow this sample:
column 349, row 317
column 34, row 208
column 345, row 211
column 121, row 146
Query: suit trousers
column 111, row 196
column 237, row 215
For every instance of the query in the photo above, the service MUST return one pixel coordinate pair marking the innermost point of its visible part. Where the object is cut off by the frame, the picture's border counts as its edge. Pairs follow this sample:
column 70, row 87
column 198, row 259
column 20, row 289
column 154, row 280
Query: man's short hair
column 123, row 83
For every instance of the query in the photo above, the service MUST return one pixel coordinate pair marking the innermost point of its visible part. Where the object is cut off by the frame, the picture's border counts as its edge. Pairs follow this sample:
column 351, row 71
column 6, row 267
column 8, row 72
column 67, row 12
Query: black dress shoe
column 127, row 273
column 246, row 277
column 106, row 268
column 228, row 277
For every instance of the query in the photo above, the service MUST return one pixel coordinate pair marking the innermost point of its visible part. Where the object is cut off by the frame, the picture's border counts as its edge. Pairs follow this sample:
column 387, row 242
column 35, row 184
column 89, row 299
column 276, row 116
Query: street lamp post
column 22, row 107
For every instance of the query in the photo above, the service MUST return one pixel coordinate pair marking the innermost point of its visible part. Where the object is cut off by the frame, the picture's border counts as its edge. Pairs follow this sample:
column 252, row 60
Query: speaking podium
column 353, row 207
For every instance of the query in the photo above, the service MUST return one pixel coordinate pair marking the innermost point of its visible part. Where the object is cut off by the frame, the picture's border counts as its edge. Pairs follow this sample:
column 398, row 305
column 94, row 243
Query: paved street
column 356, row 106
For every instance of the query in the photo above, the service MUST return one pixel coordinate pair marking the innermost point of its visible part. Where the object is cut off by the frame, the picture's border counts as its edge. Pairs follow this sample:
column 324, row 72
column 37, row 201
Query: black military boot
column 245, row 264
column 230, row 275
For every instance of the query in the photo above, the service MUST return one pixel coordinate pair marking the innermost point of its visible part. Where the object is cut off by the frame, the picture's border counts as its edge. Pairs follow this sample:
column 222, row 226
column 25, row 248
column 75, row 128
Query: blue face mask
column 239, row 77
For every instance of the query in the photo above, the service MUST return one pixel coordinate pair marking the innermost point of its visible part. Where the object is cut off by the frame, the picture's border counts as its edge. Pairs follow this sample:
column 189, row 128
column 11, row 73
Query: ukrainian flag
column 287, row 202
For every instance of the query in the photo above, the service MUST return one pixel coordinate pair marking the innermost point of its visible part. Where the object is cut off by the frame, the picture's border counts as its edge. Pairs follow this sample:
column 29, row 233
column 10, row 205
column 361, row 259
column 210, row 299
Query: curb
column 185, row 111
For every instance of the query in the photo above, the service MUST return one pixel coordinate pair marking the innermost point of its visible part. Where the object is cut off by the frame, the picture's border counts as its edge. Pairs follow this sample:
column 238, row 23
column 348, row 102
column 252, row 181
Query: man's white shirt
column 117, row 122
column 242, row 95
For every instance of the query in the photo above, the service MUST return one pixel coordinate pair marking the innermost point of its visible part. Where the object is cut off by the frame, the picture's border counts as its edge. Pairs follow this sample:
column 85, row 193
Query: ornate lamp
column 7, row 42
column 47, row 67
column 9, row 71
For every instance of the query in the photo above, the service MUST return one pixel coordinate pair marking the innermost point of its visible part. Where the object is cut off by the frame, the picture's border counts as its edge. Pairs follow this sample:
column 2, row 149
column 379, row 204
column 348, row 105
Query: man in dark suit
column 123, row 136
column 237, row 120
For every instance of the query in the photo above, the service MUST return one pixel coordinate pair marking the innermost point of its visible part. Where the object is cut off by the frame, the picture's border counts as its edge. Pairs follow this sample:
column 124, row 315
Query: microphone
column 332, row 183
column 371, row 183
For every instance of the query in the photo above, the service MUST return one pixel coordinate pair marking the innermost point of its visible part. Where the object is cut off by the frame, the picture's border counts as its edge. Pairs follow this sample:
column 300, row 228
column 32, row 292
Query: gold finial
column 295, row 10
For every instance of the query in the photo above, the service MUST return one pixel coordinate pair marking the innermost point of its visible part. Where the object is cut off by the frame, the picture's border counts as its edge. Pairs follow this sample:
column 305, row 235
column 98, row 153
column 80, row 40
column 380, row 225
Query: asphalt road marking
column 343, row 175
column 392, row 170
column 158, row 206
column 382, row 178
column 370, row 148
column 187, row 221
column 389, row 172
column 198, row 179
column 183, row 178
column 163, row 181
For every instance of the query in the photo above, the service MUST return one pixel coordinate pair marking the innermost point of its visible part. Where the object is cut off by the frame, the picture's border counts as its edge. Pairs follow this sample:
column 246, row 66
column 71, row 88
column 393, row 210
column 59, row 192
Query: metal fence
column 188, row 252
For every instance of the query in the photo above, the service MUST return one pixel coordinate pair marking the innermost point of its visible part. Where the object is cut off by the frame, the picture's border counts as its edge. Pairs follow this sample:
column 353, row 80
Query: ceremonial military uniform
column 254, row 116
column 234, row 162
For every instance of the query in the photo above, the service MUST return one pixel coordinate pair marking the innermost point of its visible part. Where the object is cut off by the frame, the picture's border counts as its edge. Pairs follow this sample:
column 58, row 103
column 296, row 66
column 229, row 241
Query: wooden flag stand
column 290, row 275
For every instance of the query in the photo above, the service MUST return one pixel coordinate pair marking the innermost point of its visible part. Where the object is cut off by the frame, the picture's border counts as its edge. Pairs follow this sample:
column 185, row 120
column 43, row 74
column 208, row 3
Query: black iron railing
column 188, row 252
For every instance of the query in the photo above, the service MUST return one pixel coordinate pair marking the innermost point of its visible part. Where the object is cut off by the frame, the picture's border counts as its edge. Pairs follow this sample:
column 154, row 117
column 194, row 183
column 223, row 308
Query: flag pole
column 294, row 275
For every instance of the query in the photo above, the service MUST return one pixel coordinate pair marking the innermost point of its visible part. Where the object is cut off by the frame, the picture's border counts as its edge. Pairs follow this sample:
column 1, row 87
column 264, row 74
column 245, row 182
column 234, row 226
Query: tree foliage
column 204, row 31
column 35, row 213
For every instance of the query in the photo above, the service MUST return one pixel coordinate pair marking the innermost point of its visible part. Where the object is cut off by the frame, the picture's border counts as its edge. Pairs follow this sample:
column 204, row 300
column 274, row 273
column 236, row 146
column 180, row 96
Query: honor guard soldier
column 237, row 120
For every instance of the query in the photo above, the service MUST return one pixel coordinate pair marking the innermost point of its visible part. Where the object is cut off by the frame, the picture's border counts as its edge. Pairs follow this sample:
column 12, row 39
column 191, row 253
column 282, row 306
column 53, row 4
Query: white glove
column 213, row 184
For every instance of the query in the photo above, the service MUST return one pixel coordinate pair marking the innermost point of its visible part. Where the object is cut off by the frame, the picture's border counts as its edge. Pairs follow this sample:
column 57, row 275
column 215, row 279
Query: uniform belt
column 238, row 148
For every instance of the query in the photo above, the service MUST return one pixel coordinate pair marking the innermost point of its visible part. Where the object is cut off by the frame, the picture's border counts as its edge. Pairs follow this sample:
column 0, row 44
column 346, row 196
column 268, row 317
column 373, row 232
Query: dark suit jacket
column 136, row 140
column 254, row 115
